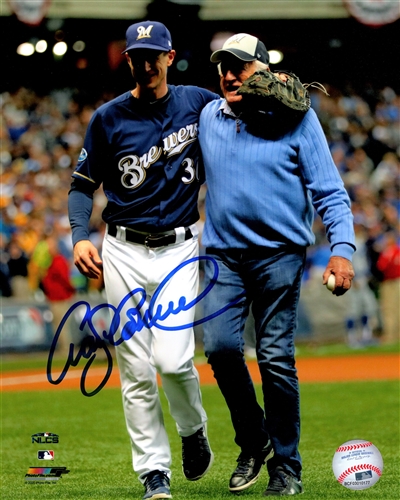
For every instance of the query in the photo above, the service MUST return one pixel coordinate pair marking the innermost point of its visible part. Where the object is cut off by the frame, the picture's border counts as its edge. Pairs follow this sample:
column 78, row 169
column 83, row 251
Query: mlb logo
column 45, row 455
column 362, row 476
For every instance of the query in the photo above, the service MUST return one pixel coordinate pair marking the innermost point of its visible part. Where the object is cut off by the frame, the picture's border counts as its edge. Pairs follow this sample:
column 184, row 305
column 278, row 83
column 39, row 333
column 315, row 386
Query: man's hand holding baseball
column 343, row 271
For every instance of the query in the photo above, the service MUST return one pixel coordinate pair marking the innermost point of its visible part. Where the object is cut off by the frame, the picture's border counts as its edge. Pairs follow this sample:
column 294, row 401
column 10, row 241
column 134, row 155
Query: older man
column 264, row 180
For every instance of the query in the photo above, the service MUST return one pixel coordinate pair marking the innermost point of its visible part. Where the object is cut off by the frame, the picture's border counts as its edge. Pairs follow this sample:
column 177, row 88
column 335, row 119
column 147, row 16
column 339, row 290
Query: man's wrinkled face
column 234, row 73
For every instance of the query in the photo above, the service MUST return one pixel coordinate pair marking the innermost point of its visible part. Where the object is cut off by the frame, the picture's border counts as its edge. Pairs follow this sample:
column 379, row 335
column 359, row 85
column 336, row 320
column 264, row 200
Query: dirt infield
column 316, row 369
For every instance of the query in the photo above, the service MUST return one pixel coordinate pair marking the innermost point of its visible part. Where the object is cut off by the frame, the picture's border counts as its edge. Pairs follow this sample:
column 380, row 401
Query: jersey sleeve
column 198, row 96
column 209, row 96
column 94, row 154
column 80, row 205
column 87, row 177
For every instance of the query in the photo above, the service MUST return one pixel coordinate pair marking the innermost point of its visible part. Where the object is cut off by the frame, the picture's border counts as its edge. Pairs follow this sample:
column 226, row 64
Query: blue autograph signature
column 136, row 321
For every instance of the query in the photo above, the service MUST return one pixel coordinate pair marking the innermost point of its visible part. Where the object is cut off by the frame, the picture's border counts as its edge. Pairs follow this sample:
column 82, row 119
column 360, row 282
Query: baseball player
column 142, row 146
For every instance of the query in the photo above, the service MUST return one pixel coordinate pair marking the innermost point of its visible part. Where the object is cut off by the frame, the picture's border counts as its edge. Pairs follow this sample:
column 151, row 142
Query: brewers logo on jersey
column 131, row 149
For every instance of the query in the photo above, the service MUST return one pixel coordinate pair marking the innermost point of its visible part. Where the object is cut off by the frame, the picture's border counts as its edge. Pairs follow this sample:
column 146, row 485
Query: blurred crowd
column 42, row 135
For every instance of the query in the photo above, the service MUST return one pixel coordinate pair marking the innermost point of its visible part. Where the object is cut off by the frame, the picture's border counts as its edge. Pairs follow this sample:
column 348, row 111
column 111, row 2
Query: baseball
column 357, row 464
column 330, row 285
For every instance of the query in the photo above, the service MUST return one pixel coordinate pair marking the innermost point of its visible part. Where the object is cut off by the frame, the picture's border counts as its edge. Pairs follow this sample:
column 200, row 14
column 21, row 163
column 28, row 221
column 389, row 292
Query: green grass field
column 94, row 443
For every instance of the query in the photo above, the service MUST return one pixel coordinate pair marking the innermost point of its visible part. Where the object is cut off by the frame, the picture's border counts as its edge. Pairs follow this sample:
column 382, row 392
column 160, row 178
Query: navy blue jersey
column 147, row 157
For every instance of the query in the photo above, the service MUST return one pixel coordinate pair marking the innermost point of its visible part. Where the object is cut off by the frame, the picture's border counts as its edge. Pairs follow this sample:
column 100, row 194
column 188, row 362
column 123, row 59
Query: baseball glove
column 265, row 91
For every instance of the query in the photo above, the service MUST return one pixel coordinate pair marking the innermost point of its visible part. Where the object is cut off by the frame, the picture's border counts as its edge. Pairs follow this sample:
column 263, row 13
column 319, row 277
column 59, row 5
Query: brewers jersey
column 146, row 154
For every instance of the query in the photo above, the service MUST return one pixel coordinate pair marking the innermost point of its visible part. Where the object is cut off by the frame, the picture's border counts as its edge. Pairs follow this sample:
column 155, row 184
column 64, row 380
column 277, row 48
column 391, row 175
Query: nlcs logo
column 44, row 437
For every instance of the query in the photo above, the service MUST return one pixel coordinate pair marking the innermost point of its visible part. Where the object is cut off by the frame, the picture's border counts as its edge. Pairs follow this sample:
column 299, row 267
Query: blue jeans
column 268, row 280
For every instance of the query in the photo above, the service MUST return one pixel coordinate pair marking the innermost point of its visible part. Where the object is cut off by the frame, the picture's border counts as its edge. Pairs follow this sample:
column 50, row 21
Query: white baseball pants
column 127, row 267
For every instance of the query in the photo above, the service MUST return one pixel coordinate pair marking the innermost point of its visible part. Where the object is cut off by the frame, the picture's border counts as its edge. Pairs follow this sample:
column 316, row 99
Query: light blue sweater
column 261, row 192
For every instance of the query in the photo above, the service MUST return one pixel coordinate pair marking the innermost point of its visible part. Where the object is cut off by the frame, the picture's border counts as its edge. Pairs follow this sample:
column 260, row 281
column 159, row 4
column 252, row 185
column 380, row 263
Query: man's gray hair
column 259, row 66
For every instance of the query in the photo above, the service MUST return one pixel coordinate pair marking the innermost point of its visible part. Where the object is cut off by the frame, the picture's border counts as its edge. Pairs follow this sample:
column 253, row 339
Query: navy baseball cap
column 245, row 47
column 148, row 35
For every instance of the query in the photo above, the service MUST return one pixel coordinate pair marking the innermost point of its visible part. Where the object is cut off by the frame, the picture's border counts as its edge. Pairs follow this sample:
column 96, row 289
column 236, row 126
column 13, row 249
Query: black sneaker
column 197, row 456
column 282, row 483
column 156, row 485
column 248, row 468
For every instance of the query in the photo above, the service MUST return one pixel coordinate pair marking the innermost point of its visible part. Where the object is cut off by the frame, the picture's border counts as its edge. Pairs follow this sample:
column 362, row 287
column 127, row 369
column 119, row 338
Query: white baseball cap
column 245, row 47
